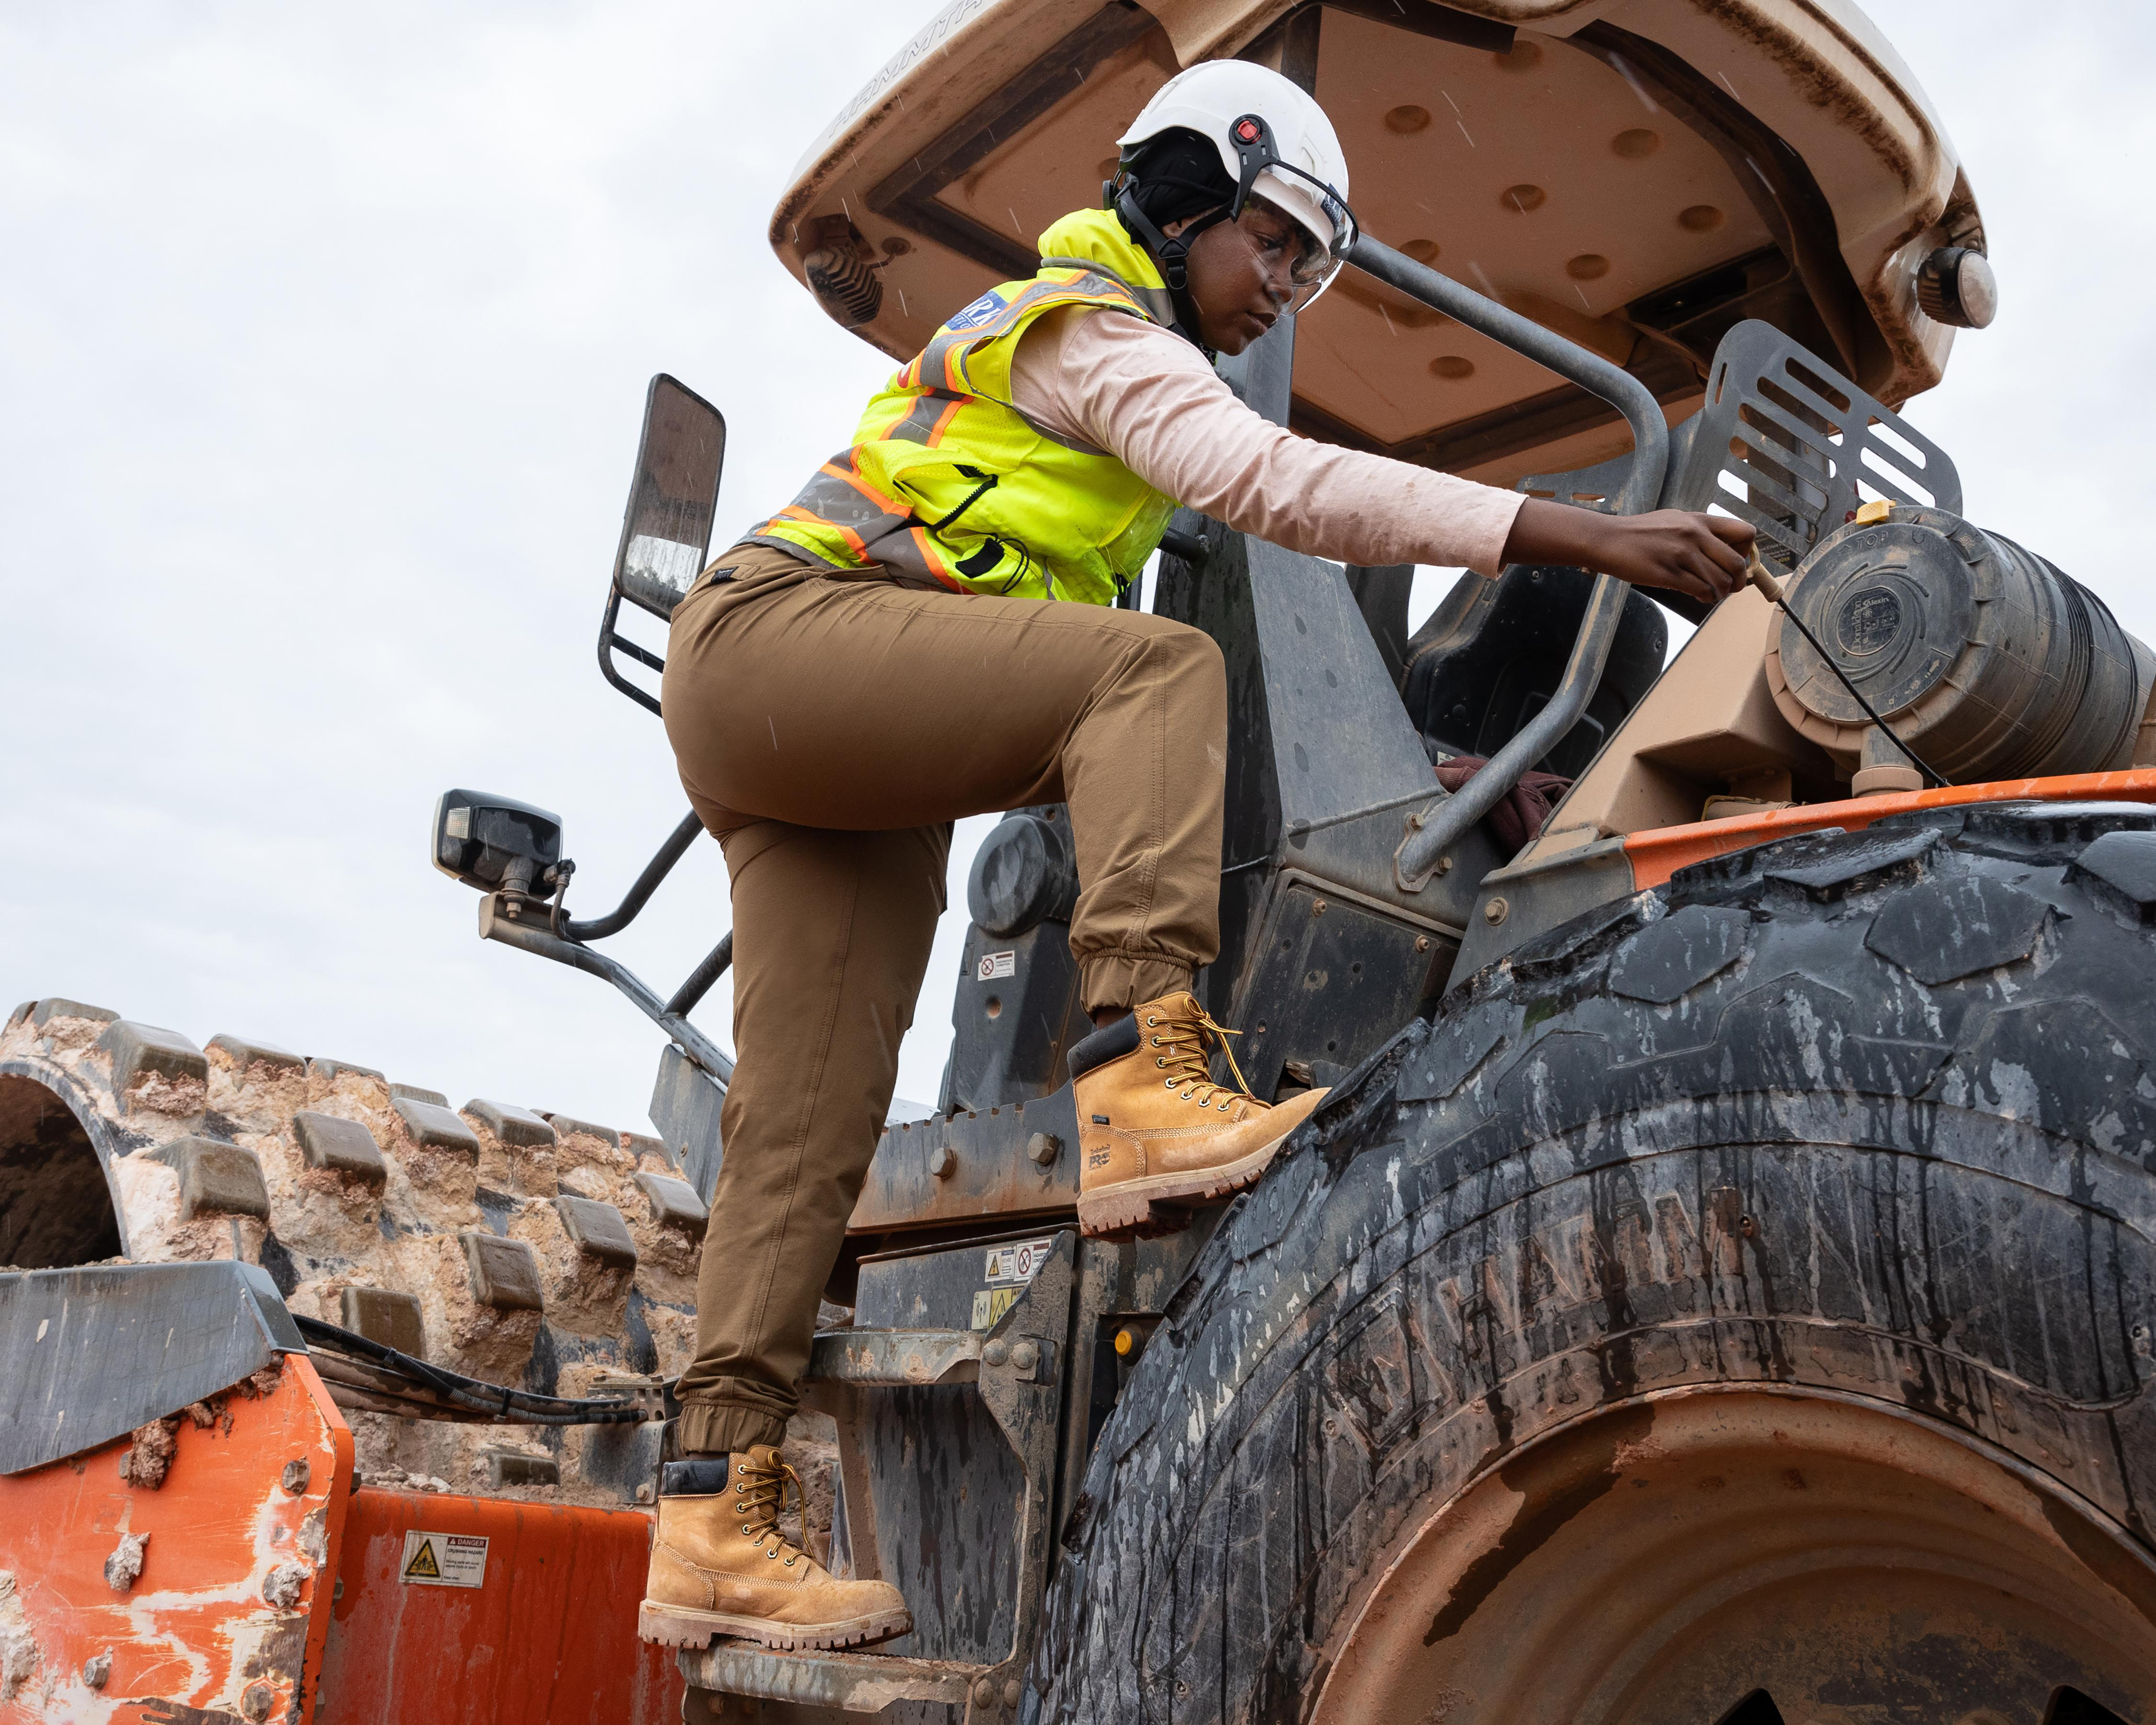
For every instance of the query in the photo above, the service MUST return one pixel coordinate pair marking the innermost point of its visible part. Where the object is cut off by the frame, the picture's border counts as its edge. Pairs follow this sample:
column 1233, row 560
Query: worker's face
column 1242, row 275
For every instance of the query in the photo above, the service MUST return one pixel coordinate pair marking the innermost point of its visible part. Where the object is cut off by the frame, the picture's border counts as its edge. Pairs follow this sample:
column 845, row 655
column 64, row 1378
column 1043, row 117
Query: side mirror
column 498, row 844
column 666, row 531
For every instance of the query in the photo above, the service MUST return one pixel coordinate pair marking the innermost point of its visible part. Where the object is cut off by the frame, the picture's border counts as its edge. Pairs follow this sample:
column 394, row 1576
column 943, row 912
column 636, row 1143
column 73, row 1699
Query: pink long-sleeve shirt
column 1141, row 392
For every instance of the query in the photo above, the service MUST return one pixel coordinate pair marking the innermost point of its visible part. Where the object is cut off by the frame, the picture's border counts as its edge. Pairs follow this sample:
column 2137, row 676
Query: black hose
column 496, row 1400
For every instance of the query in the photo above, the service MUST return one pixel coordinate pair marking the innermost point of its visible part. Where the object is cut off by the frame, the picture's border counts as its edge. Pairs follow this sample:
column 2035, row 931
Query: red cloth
column 1520, row 816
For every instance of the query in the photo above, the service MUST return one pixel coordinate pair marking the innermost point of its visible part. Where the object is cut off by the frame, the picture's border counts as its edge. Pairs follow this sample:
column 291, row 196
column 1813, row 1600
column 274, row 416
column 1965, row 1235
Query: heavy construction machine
column 1718, row 1287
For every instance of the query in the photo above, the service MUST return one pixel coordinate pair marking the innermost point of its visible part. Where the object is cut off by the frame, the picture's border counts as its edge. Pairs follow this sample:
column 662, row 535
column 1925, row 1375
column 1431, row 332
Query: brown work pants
column 827, row 730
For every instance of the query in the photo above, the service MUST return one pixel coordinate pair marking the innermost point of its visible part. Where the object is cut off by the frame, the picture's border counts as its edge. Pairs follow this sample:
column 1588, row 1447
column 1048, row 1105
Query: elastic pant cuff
column 1123, row 980
column 726, row 1429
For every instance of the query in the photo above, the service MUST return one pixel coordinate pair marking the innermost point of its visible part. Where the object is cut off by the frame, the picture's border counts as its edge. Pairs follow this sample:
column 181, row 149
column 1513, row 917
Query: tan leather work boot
column 720, row 1567
column 1155, row 1133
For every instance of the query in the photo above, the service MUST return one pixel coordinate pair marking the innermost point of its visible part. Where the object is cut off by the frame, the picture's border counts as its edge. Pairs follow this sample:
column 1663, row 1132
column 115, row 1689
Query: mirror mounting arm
column 494, row 925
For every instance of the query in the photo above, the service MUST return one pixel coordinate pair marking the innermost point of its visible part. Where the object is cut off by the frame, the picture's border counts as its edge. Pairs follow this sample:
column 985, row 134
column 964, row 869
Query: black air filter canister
column 1981, row 655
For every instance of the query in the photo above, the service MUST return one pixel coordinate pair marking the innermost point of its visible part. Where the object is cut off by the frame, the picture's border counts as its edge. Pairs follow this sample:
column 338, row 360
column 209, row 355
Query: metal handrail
column 1438, row 828
column 657, row 870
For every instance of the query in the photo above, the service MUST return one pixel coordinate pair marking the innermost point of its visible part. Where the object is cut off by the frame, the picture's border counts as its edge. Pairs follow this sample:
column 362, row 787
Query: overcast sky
column 324, row 333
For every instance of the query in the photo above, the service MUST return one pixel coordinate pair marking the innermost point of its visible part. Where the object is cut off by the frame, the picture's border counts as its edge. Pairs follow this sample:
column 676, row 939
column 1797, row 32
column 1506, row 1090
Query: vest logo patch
column 980, row 311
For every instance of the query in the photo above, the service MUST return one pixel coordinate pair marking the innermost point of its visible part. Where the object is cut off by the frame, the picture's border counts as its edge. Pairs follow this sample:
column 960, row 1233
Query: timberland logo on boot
column 1098, row 1158
column 1100, row 1120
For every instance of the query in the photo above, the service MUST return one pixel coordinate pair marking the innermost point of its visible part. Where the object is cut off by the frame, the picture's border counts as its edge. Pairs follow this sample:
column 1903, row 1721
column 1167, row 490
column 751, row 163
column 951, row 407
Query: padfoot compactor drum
column 1718, row 1289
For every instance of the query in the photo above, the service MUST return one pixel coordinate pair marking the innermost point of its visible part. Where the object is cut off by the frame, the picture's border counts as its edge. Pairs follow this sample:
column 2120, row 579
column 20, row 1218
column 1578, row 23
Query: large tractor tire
column 1735, row 1306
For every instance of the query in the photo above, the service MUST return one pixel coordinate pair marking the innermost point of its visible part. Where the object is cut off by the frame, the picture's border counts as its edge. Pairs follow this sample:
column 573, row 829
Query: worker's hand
column 1702, row 555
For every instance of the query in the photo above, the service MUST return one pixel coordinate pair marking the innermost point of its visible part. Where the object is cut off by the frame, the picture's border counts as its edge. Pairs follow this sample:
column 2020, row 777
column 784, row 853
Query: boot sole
column 1160, row 1204
column 685, row 1626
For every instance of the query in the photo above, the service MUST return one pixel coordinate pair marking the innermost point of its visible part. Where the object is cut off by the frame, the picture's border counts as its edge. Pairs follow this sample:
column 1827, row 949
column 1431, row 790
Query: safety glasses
column 1281, row 243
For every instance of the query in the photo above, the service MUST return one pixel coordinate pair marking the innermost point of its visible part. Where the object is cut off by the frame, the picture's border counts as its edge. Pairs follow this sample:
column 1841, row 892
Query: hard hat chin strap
column 1173, row 255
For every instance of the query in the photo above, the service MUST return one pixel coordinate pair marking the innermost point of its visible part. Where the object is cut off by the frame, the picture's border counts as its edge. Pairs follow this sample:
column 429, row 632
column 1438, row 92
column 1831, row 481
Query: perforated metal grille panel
column 1787, row 444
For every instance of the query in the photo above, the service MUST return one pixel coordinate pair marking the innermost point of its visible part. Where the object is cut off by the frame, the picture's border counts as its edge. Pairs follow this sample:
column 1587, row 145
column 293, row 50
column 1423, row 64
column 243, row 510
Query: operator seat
column 1492, row 653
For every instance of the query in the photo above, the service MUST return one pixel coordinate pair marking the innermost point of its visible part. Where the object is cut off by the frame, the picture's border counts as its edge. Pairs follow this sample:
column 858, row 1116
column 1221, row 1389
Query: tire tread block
column 1943, row 930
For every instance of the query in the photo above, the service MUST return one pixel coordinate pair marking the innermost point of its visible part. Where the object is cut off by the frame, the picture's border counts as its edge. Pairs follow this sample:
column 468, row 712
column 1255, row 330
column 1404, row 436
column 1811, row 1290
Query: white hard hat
column 1273, row 138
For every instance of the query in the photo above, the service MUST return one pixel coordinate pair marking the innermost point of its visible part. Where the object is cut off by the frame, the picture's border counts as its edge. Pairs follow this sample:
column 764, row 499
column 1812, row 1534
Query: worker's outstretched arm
column 1148, row 396
column 1700, row 555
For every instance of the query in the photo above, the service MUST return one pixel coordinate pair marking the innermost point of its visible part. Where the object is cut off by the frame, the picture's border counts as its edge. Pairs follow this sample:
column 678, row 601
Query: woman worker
column 925, row 632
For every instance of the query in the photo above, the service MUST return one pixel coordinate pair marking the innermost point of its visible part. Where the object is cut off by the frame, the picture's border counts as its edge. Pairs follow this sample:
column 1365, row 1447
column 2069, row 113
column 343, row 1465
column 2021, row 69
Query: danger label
column 444, row 1559
column 1017, row 1262
column 996, row 964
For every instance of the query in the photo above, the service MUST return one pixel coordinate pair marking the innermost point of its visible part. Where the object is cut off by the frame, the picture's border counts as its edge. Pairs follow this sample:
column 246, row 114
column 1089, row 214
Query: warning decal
column 1020, row 1262
column 993, row 965
column 444, row 1559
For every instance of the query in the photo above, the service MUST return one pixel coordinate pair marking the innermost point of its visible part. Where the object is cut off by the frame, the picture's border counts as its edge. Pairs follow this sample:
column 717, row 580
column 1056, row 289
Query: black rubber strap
column 699, row 1477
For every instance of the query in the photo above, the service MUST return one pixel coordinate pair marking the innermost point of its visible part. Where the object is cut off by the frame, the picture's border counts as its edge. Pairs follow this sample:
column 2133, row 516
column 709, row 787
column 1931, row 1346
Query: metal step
column 852, row 1683
column 895, row 1360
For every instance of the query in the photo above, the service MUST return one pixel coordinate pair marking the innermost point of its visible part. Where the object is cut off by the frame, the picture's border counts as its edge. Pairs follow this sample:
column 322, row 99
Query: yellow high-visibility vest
column 947, row 480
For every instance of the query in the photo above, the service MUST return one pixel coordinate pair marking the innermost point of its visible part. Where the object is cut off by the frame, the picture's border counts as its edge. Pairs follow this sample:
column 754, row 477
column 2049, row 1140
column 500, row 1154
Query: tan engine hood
column 1637, row 174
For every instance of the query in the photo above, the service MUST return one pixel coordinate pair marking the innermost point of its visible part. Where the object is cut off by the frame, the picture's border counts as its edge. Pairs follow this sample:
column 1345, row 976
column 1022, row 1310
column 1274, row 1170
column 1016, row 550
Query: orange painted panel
column 1658, row 854
column 547, row 1637
column 192, row 1633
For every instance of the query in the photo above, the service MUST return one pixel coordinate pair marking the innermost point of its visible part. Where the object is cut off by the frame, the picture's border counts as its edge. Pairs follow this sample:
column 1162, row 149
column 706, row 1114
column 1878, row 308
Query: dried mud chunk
column 149, row 1459
column 124, row 1567
column 281, row 1586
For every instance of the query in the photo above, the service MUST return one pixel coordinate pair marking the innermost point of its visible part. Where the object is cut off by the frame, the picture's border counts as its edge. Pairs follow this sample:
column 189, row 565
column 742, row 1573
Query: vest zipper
column 987, row 483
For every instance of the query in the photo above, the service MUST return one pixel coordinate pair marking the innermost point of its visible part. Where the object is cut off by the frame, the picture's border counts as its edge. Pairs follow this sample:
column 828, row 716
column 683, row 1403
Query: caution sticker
column 990, row 1304
column 993, row 965
column 1019, row 1261
column 444, row 1559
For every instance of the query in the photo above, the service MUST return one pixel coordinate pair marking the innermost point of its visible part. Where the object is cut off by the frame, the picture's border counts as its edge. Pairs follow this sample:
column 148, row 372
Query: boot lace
column 759, row 1500
column 1182, row 1045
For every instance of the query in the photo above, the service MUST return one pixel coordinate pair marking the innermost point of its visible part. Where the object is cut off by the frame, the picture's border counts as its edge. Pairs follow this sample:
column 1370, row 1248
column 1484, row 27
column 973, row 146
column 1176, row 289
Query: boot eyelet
column 789, row 1562
column 744, row 1526
column 1168, row 1083
column 1160, row 1061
